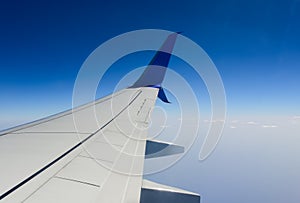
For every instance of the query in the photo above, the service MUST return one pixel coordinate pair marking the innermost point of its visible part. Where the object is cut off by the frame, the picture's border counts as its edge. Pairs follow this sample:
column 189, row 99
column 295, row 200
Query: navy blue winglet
column 162, row 95
column 155, row 72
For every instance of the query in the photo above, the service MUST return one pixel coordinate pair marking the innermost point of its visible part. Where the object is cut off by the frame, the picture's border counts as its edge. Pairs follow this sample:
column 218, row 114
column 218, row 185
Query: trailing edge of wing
column 158, row 193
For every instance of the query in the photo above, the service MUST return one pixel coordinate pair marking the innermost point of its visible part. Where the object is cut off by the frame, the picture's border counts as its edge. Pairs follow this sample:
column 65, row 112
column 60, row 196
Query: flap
column 156, row 149
column 158, row 193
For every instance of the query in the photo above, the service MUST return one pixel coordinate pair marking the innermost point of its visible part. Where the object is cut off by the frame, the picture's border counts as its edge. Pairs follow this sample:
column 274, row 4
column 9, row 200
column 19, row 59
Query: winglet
column 162, row 95
column 154, row 73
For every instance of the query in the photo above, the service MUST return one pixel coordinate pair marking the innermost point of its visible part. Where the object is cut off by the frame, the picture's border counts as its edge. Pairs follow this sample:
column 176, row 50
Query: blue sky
column 254, row 44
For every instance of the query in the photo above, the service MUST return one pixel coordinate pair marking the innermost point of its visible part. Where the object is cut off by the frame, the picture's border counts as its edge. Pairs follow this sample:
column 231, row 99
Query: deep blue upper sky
column 254, row 44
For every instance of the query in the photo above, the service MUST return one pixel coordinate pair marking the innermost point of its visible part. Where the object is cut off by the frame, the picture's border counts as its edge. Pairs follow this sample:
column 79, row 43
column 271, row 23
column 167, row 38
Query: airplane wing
column 100, row 160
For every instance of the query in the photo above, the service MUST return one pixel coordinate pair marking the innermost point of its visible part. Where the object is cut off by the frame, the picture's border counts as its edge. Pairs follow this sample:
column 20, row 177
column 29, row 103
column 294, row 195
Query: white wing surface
column 93, row 153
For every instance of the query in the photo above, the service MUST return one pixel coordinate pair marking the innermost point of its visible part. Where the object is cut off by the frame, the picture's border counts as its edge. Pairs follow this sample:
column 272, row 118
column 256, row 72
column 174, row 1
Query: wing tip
column 155, row 71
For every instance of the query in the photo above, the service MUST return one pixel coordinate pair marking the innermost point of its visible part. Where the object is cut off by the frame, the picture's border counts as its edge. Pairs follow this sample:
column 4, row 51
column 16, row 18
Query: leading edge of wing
column 64, row 154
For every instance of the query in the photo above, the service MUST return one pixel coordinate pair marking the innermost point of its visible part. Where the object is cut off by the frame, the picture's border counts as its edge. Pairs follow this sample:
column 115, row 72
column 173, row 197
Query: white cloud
column 214, row 121
column 232, row 127
column 252, row 123
column 234, row 121
column 269, row 126
column 295, row 119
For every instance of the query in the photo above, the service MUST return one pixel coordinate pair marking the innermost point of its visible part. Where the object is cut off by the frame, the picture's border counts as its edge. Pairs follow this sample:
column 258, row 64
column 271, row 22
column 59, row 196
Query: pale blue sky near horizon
column 255, row 46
